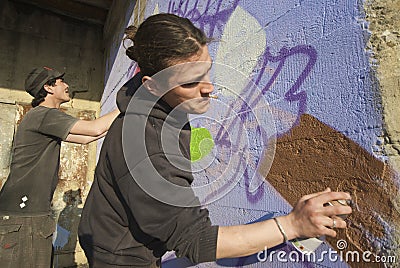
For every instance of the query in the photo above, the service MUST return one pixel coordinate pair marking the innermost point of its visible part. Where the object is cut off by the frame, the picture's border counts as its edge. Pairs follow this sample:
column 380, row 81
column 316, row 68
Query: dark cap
column 38, row 77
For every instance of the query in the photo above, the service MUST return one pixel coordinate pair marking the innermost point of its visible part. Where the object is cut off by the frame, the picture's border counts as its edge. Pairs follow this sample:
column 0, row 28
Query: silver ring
column 334, row 223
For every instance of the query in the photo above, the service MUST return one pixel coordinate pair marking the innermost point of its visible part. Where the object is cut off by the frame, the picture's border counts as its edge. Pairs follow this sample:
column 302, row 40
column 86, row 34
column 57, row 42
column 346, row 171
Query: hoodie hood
column 126, row 92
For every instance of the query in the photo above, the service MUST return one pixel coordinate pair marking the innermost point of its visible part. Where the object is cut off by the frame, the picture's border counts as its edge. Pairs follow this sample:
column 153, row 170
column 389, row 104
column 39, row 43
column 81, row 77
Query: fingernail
column 350, row 202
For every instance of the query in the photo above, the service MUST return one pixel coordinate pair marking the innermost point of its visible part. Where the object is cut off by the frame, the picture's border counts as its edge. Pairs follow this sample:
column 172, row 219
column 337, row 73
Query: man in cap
column 26, row 227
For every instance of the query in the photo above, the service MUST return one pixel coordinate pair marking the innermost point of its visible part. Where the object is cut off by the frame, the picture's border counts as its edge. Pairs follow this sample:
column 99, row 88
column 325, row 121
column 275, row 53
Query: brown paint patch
column 313, row 156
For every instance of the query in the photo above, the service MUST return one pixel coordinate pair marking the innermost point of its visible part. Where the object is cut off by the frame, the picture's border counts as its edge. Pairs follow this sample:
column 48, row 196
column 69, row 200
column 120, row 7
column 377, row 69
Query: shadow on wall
column 313, row 156
column 67, row 230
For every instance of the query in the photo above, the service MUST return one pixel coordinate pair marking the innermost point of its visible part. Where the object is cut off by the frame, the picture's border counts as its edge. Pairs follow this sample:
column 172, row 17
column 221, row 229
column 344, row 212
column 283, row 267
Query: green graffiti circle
column 201, row 144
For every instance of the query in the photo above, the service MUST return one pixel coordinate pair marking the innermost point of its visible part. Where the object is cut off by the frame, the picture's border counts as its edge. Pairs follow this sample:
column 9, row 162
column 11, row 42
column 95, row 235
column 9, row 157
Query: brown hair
column 41, row 95
column 162, row 40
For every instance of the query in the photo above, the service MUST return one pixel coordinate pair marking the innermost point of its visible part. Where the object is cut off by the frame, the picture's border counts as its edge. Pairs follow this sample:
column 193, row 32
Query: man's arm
column 309, row 218
column 82, row 139
column 93, row 128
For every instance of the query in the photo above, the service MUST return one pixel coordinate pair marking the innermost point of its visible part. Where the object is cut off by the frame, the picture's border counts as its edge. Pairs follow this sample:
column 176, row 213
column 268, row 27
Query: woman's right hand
column 311, row 217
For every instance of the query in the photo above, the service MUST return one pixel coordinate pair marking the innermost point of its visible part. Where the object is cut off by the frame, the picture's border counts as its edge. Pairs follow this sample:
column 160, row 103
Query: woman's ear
column 151, row 85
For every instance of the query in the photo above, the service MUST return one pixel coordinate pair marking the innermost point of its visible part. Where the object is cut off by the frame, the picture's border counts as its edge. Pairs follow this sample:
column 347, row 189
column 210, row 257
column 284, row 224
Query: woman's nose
column 207, row 88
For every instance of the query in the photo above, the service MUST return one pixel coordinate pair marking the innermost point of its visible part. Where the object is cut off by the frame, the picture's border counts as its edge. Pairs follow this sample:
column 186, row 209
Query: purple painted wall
column 274, row 61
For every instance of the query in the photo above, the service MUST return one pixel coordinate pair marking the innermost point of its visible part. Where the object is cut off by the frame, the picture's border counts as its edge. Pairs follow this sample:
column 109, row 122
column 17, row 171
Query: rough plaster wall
column 384, row 20
column 31, row 37
column 7, row 123
column 308, row 60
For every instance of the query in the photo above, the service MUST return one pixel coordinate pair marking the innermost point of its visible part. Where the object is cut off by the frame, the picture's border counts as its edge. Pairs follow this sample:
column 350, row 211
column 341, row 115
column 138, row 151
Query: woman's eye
column 193, row 84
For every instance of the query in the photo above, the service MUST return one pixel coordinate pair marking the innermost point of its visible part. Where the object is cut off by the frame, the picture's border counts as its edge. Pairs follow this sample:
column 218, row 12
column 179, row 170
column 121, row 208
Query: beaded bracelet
column 285, row 239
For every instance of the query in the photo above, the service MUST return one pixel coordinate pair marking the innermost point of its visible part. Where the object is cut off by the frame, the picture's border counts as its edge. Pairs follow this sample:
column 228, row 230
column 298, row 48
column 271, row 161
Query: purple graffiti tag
column 254, row 97
column 211, row 18
column 283, row 55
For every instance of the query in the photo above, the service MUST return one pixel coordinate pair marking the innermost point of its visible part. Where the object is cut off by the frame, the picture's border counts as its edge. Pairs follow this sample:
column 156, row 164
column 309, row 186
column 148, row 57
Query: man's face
column 60, row 90
column 191, row 85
